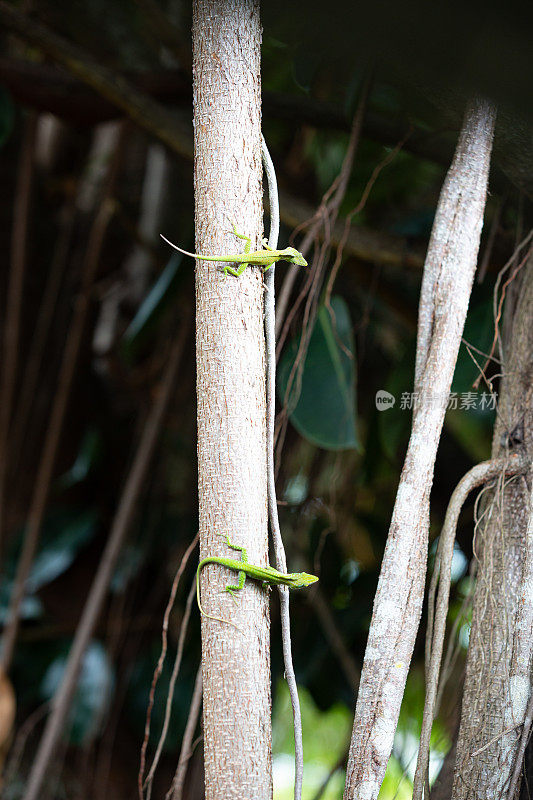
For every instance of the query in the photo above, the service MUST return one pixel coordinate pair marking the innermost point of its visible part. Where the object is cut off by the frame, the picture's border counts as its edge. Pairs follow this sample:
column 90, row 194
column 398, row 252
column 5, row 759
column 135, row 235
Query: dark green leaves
column 154, row 302
column 93, row 694
column 321, row 396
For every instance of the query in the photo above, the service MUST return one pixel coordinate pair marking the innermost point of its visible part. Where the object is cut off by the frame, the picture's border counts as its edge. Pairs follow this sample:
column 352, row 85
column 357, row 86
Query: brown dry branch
column 389, row 157
column 478, row 475
column 17, row 750
column 135, row 101
column 334, row 638
column 43, row 325
column 122, row 521
column 514, row 289
column 57, row 416
column 140, row 108
column 172, row 683
column 498, row 303
column 447, row 283
column 48, row 89
column 176, row 790
column 158, row 670
column 164, row 32
column 497, row 681
column 322, row 222
column 20, row 238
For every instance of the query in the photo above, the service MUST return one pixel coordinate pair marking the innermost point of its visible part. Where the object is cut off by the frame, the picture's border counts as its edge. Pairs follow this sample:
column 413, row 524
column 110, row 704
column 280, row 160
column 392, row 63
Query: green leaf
column 31, row 607
column 324, row 412
column 93, row 694
column 64, row 533
column 88, row 456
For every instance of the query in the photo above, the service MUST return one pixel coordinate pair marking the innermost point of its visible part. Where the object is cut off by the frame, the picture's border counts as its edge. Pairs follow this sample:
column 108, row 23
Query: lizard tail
column 186, row 252
column 204, row 613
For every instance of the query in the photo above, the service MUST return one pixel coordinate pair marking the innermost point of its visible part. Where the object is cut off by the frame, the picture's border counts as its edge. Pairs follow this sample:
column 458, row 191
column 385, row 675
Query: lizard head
column 303, row 579
column 295, row 257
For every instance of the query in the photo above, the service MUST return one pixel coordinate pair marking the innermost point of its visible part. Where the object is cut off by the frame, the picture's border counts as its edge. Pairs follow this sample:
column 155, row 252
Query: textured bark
column 500, row 652
column 438, row 602
column 448, row 276
column 231, row 397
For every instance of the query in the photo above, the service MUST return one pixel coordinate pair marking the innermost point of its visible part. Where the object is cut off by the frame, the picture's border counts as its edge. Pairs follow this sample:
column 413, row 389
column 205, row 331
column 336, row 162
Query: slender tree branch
column 43, row 325
column 121, row 525
column 19, row 252
column 277, row 540
column 48, row 89
column 448, row 275
column 171, row 130
column 140, row 108
column 158, row 670
column 165, row 32
column 176, row 790
column 46, row 466
column 321, row 222
column 334, row 638
column 481, row 473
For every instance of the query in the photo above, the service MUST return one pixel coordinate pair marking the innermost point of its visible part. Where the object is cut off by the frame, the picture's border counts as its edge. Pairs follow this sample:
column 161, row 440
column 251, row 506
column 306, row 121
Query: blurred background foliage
column 340, row 457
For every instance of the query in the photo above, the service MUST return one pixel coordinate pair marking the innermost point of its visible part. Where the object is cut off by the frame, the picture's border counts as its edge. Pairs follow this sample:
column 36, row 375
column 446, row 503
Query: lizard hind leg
column 233, row 588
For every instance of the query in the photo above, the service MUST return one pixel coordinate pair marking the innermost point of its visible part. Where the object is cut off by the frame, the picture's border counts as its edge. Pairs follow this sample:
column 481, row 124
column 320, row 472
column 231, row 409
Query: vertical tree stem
column 230, row 356
column 448, row 276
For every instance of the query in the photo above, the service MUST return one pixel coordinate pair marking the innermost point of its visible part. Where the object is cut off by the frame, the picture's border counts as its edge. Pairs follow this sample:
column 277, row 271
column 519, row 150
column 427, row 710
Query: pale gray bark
column 449, row 272
column 521, row 661
column 230, row 358
column 499, row 661
column 437, row 610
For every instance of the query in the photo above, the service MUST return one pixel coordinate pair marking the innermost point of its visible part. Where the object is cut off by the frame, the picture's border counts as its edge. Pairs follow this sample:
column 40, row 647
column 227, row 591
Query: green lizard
column 263, row 258
column 267, row 575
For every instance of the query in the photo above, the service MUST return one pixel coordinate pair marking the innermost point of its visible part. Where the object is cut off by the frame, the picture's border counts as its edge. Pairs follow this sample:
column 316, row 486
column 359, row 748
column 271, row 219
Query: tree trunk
column 497, row 682
column 448, row 275
column 231, row 397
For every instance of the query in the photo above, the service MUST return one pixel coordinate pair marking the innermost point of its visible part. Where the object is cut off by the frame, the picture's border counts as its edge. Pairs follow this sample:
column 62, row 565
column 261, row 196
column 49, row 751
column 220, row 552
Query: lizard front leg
column 247, row 247
column 232, row 588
